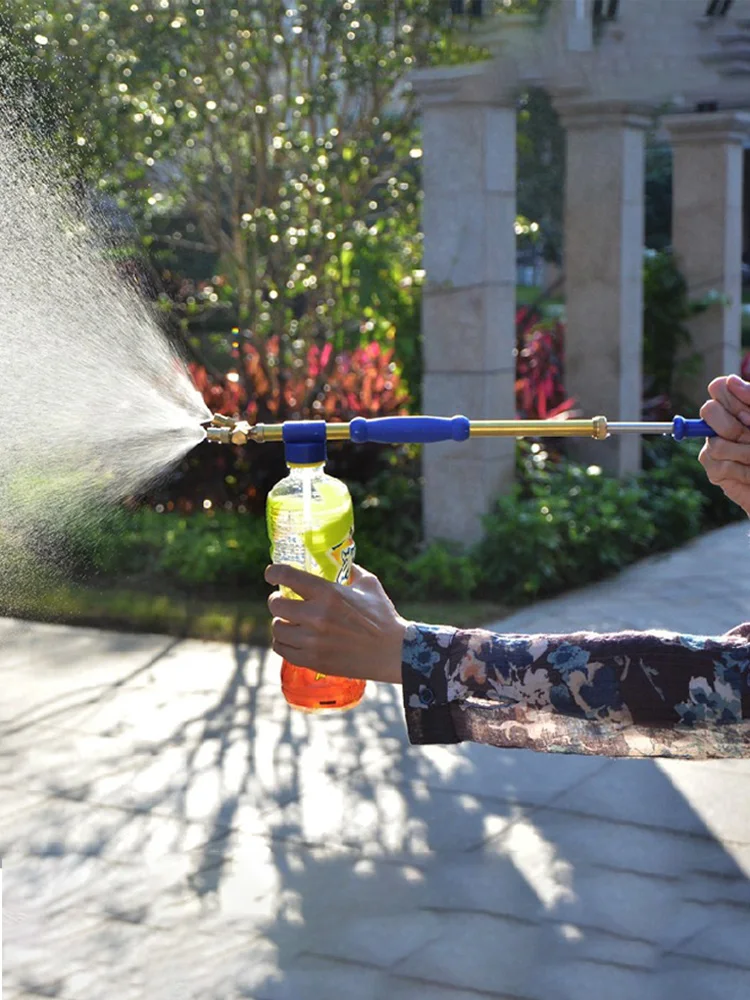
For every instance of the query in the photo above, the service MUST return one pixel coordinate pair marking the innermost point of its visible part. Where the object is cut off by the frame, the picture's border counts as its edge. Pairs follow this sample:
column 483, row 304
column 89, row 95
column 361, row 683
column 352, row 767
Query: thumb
column 367, row 583
column 360, row 576
column 739, row 388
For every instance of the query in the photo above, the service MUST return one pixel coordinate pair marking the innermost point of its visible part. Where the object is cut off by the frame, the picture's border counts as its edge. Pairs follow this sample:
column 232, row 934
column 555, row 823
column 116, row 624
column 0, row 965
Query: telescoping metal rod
column 426, row 429
column 639, row 427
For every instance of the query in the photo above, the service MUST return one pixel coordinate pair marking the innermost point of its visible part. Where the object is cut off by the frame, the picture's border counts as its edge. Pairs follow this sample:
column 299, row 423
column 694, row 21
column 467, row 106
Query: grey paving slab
column 575, row 979
column 720, row 795
column 514, row 776
column 480, row 952
column 409, row 818
column 167, row 824
column 607, row 843
column 318, row 977
column 400, row 988
column 723, row 941
column 313, row 975
column 626, row 904
column 692, row 979
column 666, row 591
column 636, row 792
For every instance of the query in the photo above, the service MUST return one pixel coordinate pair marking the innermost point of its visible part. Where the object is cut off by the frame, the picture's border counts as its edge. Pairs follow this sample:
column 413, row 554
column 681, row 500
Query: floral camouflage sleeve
column 629, row 694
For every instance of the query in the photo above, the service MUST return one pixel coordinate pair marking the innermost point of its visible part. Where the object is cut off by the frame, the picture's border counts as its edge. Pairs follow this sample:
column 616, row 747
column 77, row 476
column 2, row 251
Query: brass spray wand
column 424, row 429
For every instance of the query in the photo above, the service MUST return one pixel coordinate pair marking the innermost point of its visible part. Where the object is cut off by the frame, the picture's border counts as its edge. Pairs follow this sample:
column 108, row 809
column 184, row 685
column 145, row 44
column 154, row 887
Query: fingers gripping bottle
column 311, row 526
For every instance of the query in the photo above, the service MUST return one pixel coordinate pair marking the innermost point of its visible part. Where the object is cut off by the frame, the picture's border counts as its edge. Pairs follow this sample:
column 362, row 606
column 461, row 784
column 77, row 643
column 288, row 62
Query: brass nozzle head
column 241, row 432
column 227, row 430
column 220, row 420
column 219, row 435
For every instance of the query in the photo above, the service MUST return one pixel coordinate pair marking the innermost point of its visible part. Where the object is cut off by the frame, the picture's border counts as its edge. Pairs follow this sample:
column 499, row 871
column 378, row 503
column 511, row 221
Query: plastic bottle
column 311, row 525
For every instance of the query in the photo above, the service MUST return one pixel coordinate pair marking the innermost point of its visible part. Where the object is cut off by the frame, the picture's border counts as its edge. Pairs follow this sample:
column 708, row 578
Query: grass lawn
column 226, row 620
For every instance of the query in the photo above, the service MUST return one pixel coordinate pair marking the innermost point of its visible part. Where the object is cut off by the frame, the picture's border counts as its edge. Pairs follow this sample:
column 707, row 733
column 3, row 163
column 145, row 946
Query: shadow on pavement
column 171, row 827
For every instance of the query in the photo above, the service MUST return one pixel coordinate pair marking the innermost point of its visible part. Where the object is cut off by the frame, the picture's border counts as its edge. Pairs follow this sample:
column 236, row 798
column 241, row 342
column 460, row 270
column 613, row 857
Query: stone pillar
column 707, row 235
column 603, row 263
column 468, row 314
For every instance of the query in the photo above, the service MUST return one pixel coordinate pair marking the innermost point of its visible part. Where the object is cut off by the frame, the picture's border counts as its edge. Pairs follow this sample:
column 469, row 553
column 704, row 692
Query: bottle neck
column 313, row 468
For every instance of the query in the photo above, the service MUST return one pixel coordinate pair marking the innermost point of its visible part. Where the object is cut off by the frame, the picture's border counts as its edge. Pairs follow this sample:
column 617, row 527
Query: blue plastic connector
column 304, row 441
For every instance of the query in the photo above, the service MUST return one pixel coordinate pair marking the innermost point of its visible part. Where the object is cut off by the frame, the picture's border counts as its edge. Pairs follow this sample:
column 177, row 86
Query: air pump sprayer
column 425, row 430
column 309, row 514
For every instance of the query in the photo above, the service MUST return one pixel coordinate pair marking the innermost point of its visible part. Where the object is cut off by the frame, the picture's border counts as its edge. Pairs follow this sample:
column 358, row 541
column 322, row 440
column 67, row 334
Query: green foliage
column 211, row 551
column 270, row 151
column 667, row 306
column 676, row 463
column 563, row 526
column 442, row 571
column 658, row 195
column 541, row 176
column 541, row 168
column 571, row 525
column 390, row 505
column 220, row 553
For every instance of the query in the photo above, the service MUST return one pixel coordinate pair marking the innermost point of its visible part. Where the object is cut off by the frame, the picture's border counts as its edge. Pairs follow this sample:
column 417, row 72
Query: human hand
column 726, row 458
column 347, row 631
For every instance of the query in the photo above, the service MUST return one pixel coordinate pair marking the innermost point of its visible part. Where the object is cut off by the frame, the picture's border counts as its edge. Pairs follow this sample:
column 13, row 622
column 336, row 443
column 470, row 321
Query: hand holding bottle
column 352, row 631
column 311, row 526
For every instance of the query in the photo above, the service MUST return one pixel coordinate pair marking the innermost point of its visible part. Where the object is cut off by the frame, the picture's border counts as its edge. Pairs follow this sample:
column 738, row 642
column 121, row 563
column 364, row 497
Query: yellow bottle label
column 343, row 555
column 327, row 548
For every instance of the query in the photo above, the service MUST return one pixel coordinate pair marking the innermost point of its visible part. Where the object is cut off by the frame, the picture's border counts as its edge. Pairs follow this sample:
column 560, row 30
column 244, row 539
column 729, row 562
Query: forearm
column 625, row 694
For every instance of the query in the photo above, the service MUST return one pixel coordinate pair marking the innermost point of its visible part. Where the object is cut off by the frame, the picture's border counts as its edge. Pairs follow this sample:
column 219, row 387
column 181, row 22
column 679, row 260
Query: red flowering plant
column 324, row 383
column 335, row 386
column 540, row 390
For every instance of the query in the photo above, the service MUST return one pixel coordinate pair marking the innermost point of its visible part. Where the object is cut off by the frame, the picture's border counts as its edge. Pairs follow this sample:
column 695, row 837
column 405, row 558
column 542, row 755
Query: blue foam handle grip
column 683, row 428
column 409, row 430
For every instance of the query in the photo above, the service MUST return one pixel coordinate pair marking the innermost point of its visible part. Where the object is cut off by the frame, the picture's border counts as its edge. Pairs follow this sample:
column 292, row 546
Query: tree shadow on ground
column 169, row 825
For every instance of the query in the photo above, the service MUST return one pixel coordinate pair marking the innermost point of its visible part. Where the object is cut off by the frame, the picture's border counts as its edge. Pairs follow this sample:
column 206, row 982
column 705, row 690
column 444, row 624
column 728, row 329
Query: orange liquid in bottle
column 310, row 691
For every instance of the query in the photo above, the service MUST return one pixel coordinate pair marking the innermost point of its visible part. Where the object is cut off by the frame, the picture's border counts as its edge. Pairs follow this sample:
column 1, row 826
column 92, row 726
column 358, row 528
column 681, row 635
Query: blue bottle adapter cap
column 305, row 453
column 304, row 442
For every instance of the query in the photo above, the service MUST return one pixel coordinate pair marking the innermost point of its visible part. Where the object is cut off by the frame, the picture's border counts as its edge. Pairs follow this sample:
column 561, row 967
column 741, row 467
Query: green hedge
column 563, row 526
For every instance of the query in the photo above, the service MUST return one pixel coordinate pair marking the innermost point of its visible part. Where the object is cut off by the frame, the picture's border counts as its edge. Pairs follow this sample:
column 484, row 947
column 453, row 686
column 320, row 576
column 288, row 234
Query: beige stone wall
column 603, row 260
column 707, row 235
column 469, row 300
column 659, row 56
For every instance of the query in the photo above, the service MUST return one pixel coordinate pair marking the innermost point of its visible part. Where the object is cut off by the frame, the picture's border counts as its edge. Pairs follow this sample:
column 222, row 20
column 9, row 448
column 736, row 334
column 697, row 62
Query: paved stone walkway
column 170, row 831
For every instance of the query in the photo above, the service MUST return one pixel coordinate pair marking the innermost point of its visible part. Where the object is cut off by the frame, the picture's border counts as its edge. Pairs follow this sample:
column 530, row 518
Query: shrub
column 218, row 551
column 675, row 464
column 223, row 552
column 212, row 551
column 563, row 526
column 442, row 572
column 569, row 525
column 667, row 354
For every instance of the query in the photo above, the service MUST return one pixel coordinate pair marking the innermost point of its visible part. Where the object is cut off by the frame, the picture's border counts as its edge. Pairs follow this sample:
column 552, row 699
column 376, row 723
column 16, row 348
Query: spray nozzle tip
column 219, row 420
column 219, row 435
column 227, row 430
